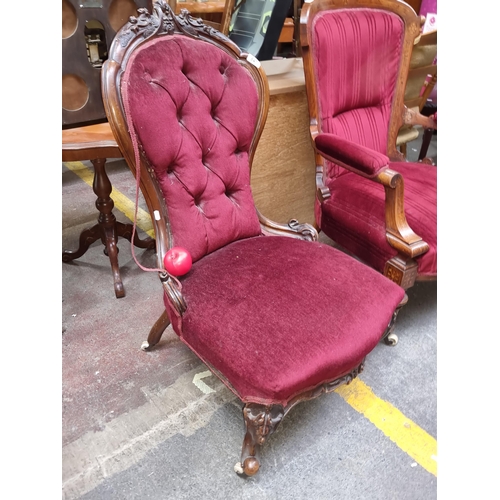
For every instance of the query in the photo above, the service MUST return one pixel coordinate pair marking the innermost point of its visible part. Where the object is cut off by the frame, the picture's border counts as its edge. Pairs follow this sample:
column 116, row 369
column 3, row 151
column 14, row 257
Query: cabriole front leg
column 260, row 422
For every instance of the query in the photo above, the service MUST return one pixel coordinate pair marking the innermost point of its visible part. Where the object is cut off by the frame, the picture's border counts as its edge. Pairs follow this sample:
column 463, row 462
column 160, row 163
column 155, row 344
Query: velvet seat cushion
column 276, row 316
column 354, row 215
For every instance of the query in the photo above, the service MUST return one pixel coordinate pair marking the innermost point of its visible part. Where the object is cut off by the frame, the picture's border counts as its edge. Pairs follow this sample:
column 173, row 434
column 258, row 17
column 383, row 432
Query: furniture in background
column 215, row 14
column 422, row 77
column 277, row 316
column 369, row 199
column 283, row 167
column 88, row 27
column 97, row 143
column 257, row 26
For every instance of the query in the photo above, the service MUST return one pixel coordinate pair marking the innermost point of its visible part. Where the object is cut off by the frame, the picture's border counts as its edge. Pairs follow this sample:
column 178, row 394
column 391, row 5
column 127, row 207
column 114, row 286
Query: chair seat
column 354, row 215
column 248, row 318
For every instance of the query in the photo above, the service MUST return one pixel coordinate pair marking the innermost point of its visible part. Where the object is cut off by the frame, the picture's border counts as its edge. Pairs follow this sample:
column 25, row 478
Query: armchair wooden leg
column 401, row 270
column 156, row 331
column 260, row 422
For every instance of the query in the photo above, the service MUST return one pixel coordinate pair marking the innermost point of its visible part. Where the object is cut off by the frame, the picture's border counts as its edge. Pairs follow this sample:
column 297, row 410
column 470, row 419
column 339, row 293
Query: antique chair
column 277, row 316
column 370, row 201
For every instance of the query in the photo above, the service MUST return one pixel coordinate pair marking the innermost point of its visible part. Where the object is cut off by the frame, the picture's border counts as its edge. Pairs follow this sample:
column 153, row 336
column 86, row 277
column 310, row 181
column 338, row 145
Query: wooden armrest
column 399, row 234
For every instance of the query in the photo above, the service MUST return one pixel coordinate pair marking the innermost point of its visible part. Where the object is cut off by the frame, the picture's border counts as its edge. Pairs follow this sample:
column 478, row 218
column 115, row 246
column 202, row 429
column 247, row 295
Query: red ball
column 177, row 261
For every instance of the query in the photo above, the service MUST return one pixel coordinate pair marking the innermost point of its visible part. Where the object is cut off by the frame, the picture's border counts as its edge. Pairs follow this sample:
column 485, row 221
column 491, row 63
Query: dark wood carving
column 262, row 420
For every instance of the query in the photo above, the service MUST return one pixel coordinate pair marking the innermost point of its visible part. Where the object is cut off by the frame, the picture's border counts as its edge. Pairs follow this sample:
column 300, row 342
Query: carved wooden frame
column 260, row 420
column 402, row 268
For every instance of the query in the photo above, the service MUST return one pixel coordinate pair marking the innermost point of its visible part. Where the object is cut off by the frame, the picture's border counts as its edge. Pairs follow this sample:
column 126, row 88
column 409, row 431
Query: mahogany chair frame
column 402, row 268
column 260, row 420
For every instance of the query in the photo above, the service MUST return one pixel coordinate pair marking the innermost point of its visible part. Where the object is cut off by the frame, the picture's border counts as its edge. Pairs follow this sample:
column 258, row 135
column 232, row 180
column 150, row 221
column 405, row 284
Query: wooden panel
column 415, row 4
column 283, row 172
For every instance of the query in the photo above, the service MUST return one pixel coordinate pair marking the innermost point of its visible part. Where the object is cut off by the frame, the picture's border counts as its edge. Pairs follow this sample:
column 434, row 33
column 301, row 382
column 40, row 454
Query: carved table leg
column 107, row 227
column 260, row 422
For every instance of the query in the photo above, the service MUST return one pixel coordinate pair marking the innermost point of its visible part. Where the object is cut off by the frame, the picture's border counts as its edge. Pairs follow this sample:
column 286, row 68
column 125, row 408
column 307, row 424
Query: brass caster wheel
column 145, row 346
column 391, row 339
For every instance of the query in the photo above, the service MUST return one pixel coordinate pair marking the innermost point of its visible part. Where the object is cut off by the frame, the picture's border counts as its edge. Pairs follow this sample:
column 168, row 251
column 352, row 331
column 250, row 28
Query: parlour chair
column 370, row 200
column 276, row 315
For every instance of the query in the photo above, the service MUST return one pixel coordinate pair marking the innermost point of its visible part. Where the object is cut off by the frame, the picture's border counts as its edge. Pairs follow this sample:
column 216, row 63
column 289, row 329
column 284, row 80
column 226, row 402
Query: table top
column 90, row 142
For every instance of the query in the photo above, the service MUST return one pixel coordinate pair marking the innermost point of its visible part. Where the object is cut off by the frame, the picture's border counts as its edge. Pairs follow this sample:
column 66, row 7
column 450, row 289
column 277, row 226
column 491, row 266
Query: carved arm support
column 172, row 288
column 372, row 166
column 293, row 229
column 397, row 230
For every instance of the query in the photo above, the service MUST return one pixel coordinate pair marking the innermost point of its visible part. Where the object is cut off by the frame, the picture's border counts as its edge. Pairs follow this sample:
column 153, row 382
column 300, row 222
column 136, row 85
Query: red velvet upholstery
column 356, row 59
column 354, row 215
column 277, row 315
column 187, row 109
column 356, row 54
column 357, row 158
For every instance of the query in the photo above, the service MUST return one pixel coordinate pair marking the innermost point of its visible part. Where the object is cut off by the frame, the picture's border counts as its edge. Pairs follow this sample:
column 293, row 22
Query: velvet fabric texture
column 276, row 316
column 185, row 100
column 354, row 215
column 356, row 61
column 362, row 160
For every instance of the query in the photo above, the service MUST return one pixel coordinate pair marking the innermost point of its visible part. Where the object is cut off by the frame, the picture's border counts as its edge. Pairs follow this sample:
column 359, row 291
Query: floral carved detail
column 144, row 25
column 262, row 420
column 194, row 25
column 307, row 232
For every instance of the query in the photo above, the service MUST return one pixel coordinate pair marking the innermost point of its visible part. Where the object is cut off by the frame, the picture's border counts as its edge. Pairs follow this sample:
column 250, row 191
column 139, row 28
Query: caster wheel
column 249, row 468
column 145, row 346
column 391, row 339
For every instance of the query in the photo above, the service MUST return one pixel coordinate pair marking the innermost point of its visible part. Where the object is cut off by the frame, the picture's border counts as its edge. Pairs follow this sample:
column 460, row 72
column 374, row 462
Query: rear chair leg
column 260, row 422
column 156, row 332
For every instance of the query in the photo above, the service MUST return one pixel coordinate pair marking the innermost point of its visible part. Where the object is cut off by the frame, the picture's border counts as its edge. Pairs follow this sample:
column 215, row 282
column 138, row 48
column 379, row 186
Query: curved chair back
column 361, row 50
column 177, row 88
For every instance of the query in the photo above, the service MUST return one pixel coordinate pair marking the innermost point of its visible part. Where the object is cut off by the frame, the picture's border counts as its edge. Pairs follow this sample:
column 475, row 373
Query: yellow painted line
column 122, row 203
column 406, row 434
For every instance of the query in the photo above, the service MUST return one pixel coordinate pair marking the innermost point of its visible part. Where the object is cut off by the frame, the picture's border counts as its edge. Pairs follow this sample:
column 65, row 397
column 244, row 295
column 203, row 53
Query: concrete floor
column 135, row 425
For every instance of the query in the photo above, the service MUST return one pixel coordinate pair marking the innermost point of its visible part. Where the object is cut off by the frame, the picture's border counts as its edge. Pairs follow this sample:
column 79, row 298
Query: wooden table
column 96, row 143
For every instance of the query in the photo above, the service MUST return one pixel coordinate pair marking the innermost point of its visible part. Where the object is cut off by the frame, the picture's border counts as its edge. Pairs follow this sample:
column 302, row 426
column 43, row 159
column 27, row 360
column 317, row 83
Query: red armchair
column 370, row 201
column 277, row 316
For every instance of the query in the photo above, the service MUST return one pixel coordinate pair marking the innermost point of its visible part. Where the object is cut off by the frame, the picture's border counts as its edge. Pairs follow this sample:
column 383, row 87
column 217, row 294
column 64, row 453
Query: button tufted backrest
column 194, row 110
